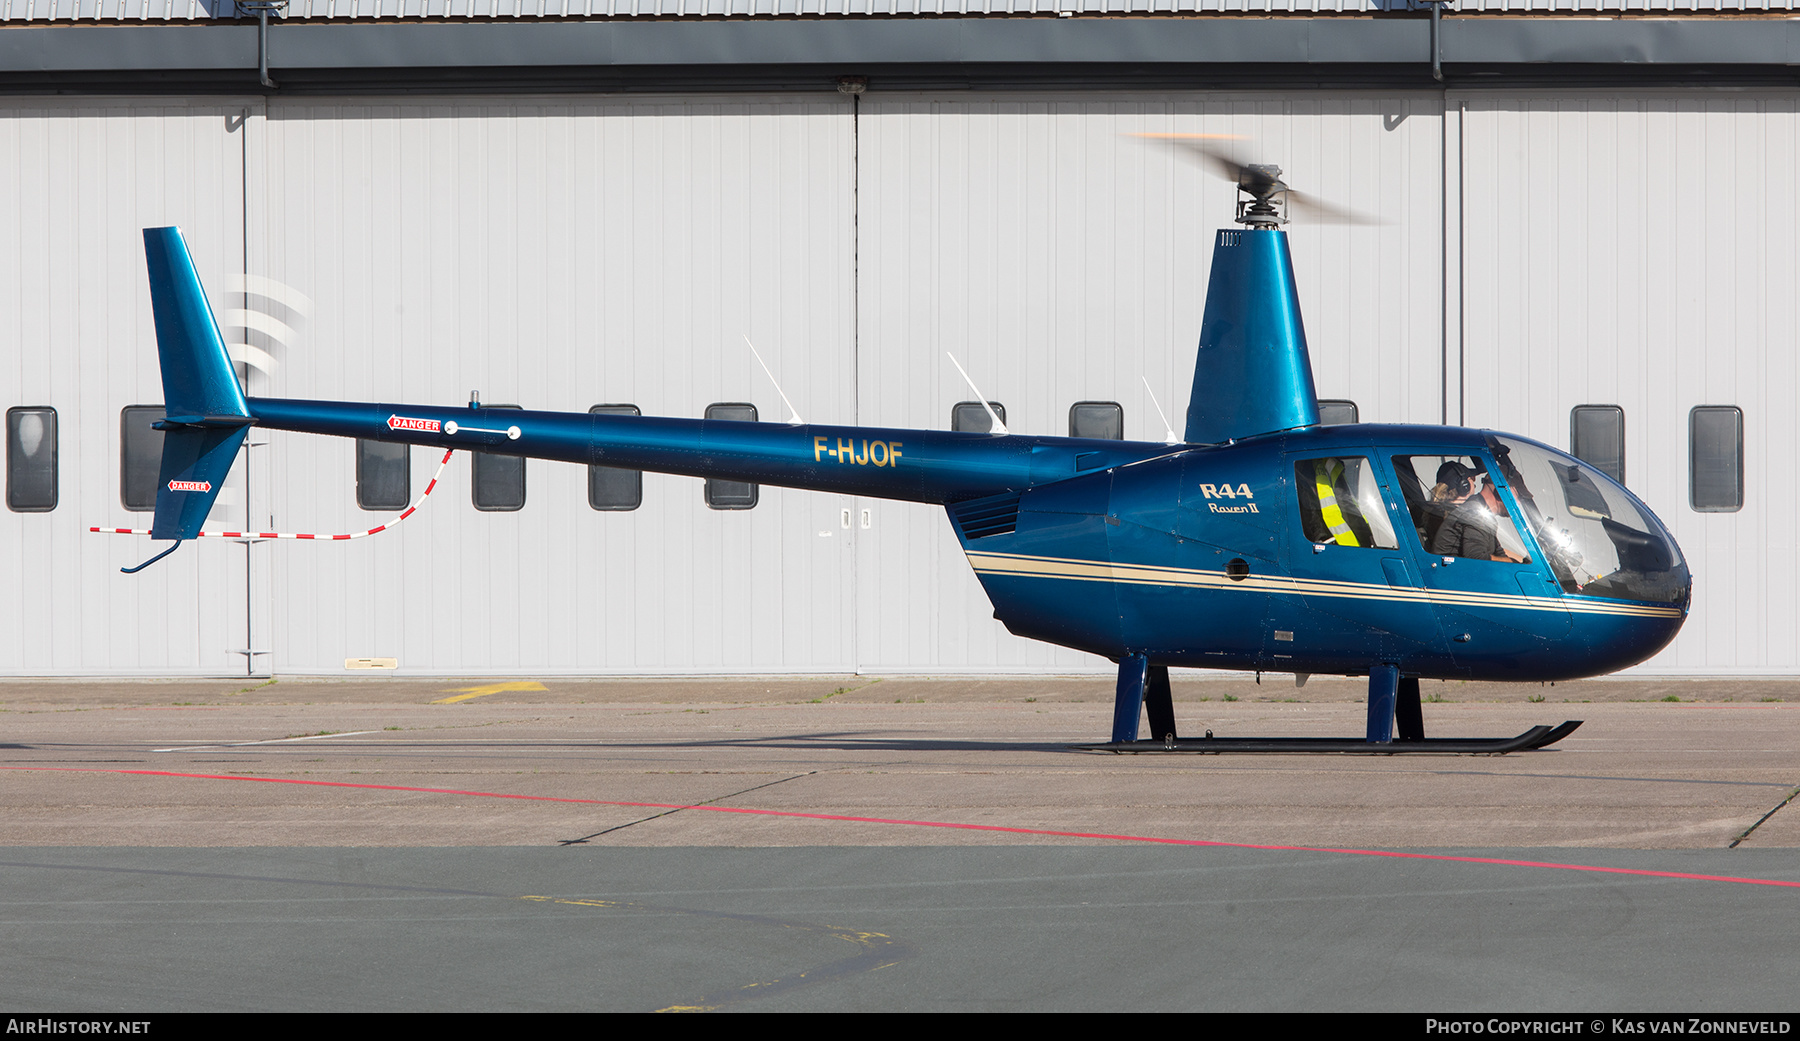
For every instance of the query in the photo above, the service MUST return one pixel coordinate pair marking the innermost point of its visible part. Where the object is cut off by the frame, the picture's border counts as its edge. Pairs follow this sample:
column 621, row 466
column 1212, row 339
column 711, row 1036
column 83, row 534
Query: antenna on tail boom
column 794, row 413
column 1169, row 437
column 998, row 427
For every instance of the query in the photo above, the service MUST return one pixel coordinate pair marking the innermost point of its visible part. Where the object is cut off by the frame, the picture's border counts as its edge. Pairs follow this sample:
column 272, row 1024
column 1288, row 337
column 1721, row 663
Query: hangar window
column 731, row 495
column 383, row 475
column 610, row 488
column 1336, row 412
column 969, row 417
column 1102, row 419
column 1716, row 458
column 499, row 480
column 140, row 456
column 1597, row 437
column 31, row 460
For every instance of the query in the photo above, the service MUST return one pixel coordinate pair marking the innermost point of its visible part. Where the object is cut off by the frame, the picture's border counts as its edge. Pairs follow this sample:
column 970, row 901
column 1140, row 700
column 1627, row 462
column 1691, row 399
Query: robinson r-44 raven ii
column 1262, row 541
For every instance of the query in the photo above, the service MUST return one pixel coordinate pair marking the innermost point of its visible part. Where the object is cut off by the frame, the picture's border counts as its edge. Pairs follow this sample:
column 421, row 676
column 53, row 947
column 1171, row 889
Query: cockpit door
column 1495, row 597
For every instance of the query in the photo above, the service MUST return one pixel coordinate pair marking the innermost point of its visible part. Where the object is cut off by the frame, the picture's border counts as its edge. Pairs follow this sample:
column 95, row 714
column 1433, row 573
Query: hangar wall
column 1637, row 248
column 566, row 252
column 561, row 255
column 76, row 335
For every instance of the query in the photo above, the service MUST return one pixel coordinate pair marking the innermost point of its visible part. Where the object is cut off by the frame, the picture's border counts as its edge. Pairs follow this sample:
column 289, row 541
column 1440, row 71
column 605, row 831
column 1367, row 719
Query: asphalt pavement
column 839, row 843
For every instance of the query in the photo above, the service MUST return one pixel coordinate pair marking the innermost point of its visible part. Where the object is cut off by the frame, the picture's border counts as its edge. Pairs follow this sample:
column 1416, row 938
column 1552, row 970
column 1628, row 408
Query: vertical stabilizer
column 198, row 379
column 204, row 403
column 1253, row 375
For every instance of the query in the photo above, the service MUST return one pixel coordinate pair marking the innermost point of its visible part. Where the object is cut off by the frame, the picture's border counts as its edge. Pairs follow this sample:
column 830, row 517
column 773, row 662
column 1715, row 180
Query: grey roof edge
column 1087, row 47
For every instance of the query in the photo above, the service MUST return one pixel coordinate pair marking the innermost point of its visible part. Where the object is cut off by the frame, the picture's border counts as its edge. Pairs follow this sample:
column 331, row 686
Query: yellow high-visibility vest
column 1326, row 474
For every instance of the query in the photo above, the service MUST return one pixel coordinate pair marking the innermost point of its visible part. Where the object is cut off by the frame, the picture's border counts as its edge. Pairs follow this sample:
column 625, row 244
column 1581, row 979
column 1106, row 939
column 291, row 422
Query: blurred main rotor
column 1270, row 200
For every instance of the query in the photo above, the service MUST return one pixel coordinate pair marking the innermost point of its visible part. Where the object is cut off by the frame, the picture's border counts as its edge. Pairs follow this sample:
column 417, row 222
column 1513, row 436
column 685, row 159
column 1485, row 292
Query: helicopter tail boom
column 930, row 466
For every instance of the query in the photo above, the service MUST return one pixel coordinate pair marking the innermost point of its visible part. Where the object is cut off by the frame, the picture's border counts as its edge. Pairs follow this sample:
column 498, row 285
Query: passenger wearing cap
column 1472, row 530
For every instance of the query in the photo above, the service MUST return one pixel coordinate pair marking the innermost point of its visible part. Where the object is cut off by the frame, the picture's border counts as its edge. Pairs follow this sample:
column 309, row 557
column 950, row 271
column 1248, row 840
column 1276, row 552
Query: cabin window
column 1097, row 419
column 1597, row 437
column 1716, row 458
column 968, row 417
column 383, row 475
column 609, row 487
column 731, row 495
column 1340, row 502
column 1596, row 538
column 1456, row 512
column 499, row 480
column 140, row 456
column 1336, row 412
column 31, row 460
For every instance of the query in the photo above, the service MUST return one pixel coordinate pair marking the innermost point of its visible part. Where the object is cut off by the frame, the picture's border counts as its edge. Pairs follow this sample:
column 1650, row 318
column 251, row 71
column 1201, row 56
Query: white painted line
column 271, row 741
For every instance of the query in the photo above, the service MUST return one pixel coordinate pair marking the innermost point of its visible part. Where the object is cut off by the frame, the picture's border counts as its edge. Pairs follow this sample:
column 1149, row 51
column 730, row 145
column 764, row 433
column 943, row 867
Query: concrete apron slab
column 852, row 761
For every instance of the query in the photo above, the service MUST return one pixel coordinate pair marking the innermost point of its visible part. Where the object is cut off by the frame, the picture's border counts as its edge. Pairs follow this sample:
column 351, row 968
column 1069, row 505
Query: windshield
column 1599, row 539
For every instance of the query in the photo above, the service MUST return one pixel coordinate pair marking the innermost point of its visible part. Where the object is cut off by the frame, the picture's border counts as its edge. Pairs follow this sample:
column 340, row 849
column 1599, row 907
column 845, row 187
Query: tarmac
column 853, row 842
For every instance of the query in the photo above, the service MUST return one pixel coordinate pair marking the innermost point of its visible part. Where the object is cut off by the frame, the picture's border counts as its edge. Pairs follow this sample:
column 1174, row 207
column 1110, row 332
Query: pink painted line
column 953, row 825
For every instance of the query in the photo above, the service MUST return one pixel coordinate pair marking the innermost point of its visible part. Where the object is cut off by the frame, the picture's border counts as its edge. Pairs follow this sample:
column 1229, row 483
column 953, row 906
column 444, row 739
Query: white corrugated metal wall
column 1064, row 259
column 81, row 180
column 1639, row 250
column 561, row 253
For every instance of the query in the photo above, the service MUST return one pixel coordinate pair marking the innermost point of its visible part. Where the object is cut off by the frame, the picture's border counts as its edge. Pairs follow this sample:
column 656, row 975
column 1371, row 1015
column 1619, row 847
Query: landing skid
column 1393, row 706
column 1536, row 737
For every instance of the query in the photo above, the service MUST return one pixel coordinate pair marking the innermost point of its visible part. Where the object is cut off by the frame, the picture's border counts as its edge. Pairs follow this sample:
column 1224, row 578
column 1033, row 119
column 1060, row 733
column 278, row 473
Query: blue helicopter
column 1262, row 541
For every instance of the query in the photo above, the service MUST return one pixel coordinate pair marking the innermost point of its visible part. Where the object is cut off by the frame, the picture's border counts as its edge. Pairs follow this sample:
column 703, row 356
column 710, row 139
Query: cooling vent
column 996, row 515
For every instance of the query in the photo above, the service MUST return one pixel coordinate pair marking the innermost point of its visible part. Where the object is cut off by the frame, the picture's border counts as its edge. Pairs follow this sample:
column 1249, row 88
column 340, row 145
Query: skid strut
column 1143, row 689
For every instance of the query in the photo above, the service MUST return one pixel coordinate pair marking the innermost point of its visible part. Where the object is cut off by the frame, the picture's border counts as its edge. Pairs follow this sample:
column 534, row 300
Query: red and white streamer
column 305, row 535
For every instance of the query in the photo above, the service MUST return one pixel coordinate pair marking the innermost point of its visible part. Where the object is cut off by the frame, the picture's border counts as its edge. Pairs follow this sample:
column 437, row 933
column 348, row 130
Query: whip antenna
column 999, row 427
column 796, row 420
column 1170, row 439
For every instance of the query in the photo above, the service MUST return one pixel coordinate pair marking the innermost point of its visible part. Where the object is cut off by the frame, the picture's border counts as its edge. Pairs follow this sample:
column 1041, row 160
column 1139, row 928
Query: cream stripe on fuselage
column 1024, row 566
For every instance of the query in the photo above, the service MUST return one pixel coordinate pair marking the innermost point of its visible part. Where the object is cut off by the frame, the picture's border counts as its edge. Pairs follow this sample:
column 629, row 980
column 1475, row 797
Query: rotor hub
column 1266, row 205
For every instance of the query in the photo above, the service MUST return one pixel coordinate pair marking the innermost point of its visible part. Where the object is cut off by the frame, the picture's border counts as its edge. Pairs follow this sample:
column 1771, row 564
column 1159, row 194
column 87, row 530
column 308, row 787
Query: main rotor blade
column 1314, row 210
column 1208, row 150
column 1215, row 152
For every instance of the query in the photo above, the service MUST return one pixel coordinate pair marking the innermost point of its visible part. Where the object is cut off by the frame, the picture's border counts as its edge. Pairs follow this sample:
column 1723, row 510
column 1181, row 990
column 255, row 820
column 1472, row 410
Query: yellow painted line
column 465, row 693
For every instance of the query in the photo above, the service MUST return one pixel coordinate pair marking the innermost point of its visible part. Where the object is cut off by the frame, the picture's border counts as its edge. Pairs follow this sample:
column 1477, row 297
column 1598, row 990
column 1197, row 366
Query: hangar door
column 77, row 350
column 577, row 253
column 1630, row 287
column 564, row 254
column 1064, row 259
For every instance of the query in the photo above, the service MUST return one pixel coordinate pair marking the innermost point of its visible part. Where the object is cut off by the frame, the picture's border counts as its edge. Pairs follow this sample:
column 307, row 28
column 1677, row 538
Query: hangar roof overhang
column 687, row 54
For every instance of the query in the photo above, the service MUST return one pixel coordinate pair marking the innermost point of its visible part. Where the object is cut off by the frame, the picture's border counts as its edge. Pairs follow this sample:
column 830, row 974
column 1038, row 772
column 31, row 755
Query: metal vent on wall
column 994, row 515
